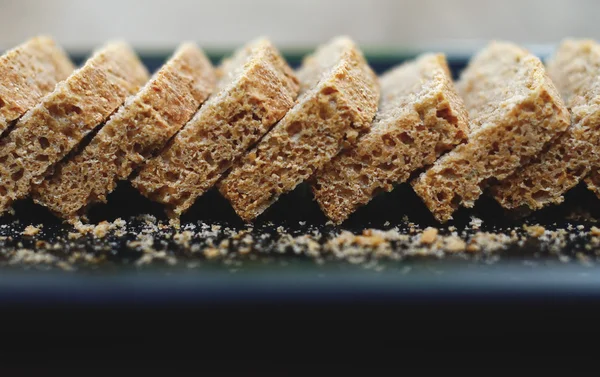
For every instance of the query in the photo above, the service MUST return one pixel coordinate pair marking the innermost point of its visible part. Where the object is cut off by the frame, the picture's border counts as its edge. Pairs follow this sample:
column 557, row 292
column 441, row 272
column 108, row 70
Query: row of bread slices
column 256, row 129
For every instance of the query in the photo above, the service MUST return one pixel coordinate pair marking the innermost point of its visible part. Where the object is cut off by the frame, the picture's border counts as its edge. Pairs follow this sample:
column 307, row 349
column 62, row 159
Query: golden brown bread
column 420, row 117
column 256, row 89
column 339, row 99
column 53, row 127
column 137, row 131
column 515, row 110
column 575, row 70
column 27, row 73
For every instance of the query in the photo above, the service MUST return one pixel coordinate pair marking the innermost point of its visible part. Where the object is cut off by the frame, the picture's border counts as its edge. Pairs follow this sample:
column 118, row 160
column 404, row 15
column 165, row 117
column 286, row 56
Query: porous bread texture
column 420, row 117
column 137, row 131
column 53, row 127
column 575, row 70
column 27, row 73
column 256, row 89
column 339, row 102
column 514, row 110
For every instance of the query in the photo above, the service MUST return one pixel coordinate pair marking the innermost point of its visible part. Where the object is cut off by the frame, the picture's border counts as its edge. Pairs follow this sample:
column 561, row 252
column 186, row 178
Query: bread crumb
column 74, row 236
column 81, row 227
column 534, row 230
column 475, row 222
column 473, row 248
column 31, row 231
column 595, row 231
column 454, row 244
column 429, row 235
column 183, row 238
column 211, row 252
column 101, row 230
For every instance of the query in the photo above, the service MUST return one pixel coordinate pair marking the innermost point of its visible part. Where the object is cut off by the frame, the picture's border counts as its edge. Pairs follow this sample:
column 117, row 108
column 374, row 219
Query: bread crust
column 140, row 129
column 338, row 103
column 56, row 125
column 256, row 89
column 27, row 73
column 515, row 110
column 420, row 117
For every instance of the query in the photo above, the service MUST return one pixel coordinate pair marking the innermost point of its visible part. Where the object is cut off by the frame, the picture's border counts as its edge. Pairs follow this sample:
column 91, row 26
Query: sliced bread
column 27, row 73
column 339, row 99
column 53, row 127
column 514, row 109
column 575, row 70
column 420, row 117
column 140, row 128
column 256, row 89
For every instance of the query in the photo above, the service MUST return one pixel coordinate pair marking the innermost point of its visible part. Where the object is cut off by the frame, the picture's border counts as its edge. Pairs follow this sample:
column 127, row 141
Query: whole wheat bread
column 515, row 110
column 49, row 130
column 575, row 70
column 27, row 73
column 339, row 99
column 420, row 117
column 139, row 129
column 256, row 89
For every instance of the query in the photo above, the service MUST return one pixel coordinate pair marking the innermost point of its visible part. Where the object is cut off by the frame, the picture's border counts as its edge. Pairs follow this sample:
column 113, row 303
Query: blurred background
column 451, row 25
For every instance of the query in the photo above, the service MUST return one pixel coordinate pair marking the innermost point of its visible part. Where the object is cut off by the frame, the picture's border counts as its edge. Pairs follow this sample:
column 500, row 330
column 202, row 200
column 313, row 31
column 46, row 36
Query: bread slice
column 27, row 73
column 338, row 103
column 256, row 89
column 575, row 70
column 140, row 128
column 515, row 110
column 420, row 117
column 49, row 130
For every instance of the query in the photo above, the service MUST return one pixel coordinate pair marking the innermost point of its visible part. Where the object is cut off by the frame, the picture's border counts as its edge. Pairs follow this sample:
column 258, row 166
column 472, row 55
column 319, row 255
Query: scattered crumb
column 455, row 244
column 74, row 236
column 429, row 235
column 147, row 240
column 475, row 222
column 101, row 229
column 31, row 230
column 535, row 231
column 211, row 253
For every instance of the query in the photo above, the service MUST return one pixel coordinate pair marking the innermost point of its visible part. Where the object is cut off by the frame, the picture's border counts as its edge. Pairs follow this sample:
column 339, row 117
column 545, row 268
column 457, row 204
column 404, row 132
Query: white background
column 301, row 23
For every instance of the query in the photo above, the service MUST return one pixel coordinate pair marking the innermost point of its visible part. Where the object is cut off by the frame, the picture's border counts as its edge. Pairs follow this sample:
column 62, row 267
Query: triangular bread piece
column 137, row 131
column 256, row 89
column 27, row 73
column 575, row 70
column 514, row 110
column 420, row 117
column 53, row 127
column 338, row 103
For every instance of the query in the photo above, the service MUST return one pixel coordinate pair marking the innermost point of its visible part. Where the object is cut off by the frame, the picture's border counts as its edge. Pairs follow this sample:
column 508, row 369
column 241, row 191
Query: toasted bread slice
column 27, row 73
column 53, row 127
column 338, row 103
column 140, row 129
column 256, row 89
column 420, row 117
column 515, row 110
column 575, row 70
